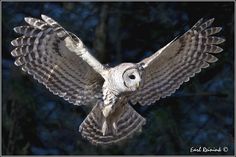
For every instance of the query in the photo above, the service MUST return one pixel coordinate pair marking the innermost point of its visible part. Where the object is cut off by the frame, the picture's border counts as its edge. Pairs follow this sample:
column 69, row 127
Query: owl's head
column 125, row 77
column 131, row 77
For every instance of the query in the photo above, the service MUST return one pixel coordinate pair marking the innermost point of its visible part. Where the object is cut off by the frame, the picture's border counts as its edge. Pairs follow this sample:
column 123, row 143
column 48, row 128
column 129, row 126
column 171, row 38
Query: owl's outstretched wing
column 177, row 62
column 58, row 59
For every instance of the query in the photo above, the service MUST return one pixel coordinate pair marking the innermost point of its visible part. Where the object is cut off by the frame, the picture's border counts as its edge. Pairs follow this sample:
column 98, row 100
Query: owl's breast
column 110, row 96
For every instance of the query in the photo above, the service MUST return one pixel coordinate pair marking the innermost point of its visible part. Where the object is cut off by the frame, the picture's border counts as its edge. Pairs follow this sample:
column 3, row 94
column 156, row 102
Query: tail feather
column 128, row 123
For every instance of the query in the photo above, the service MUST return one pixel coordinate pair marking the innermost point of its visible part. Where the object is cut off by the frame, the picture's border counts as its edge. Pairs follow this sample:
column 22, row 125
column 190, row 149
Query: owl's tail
column 127, row 123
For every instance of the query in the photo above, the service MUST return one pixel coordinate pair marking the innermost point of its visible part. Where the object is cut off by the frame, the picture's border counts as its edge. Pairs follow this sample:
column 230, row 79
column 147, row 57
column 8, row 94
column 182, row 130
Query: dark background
column 200, row 113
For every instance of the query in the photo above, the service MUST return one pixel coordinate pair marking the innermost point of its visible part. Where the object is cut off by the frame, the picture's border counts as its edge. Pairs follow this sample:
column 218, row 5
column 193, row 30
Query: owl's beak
column 137, row 85
column 134, row 87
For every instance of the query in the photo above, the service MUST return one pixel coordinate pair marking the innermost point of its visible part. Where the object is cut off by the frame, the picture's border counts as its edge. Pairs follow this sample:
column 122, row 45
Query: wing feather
column 167, row 69
column 42, row 52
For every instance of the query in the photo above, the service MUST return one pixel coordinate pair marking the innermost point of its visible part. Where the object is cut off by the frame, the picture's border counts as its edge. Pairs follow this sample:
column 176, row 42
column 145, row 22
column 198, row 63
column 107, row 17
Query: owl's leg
column 114, row 129
column 107, row 110
column 115, row 117
column 104, row 128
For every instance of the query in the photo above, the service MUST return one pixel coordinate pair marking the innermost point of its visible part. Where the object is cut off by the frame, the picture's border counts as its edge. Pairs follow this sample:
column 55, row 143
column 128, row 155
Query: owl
column 59, row 60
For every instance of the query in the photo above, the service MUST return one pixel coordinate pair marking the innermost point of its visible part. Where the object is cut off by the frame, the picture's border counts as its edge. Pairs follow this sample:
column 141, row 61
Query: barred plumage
column 42, row 53
column 178, row 62
column 59, row 60
column 128, row 121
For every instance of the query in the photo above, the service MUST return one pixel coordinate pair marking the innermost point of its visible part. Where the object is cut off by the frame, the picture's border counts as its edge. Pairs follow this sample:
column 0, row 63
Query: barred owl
column 59, row 60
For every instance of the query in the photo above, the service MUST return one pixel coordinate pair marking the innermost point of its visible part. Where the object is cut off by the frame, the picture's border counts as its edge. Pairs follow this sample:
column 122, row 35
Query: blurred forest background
column 200, row 113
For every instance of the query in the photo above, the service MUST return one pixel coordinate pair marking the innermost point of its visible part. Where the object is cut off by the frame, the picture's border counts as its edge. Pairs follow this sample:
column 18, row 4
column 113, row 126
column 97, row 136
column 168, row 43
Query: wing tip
column 13, row 42
column 13, row 53
column 17, row 63
column 218, row 49
column 222, row 39
column 218, row 29
column 200, row 20
column 28, row 20
column 44, row 17
column 16, row 29
column 211, row 20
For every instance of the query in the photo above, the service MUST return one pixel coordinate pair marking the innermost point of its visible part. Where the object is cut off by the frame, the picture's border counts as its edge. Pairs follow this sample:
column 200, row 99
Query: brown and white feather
column 43, row 53
column 127, row 120
column 177, row 62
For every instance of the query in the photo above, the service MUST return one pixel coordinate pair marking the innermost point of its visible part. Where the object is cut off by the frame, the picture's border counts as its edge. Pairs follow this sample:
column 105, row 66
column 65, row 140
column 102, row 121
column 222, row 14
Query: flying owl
column 60, row 61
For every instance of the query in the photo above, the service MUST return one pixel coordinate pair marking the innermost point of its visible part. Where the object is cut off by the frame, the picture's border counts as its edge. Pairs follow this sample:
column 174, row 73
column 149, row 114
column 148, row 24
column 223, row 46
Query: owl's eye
column 132, row 77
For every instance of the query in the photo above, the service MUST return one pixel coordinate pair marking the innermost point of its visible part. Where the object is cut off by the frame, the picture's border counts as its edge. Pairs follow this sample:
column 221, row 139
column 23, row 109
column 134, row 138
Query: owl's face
column 132, row 79
column 125, row 77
